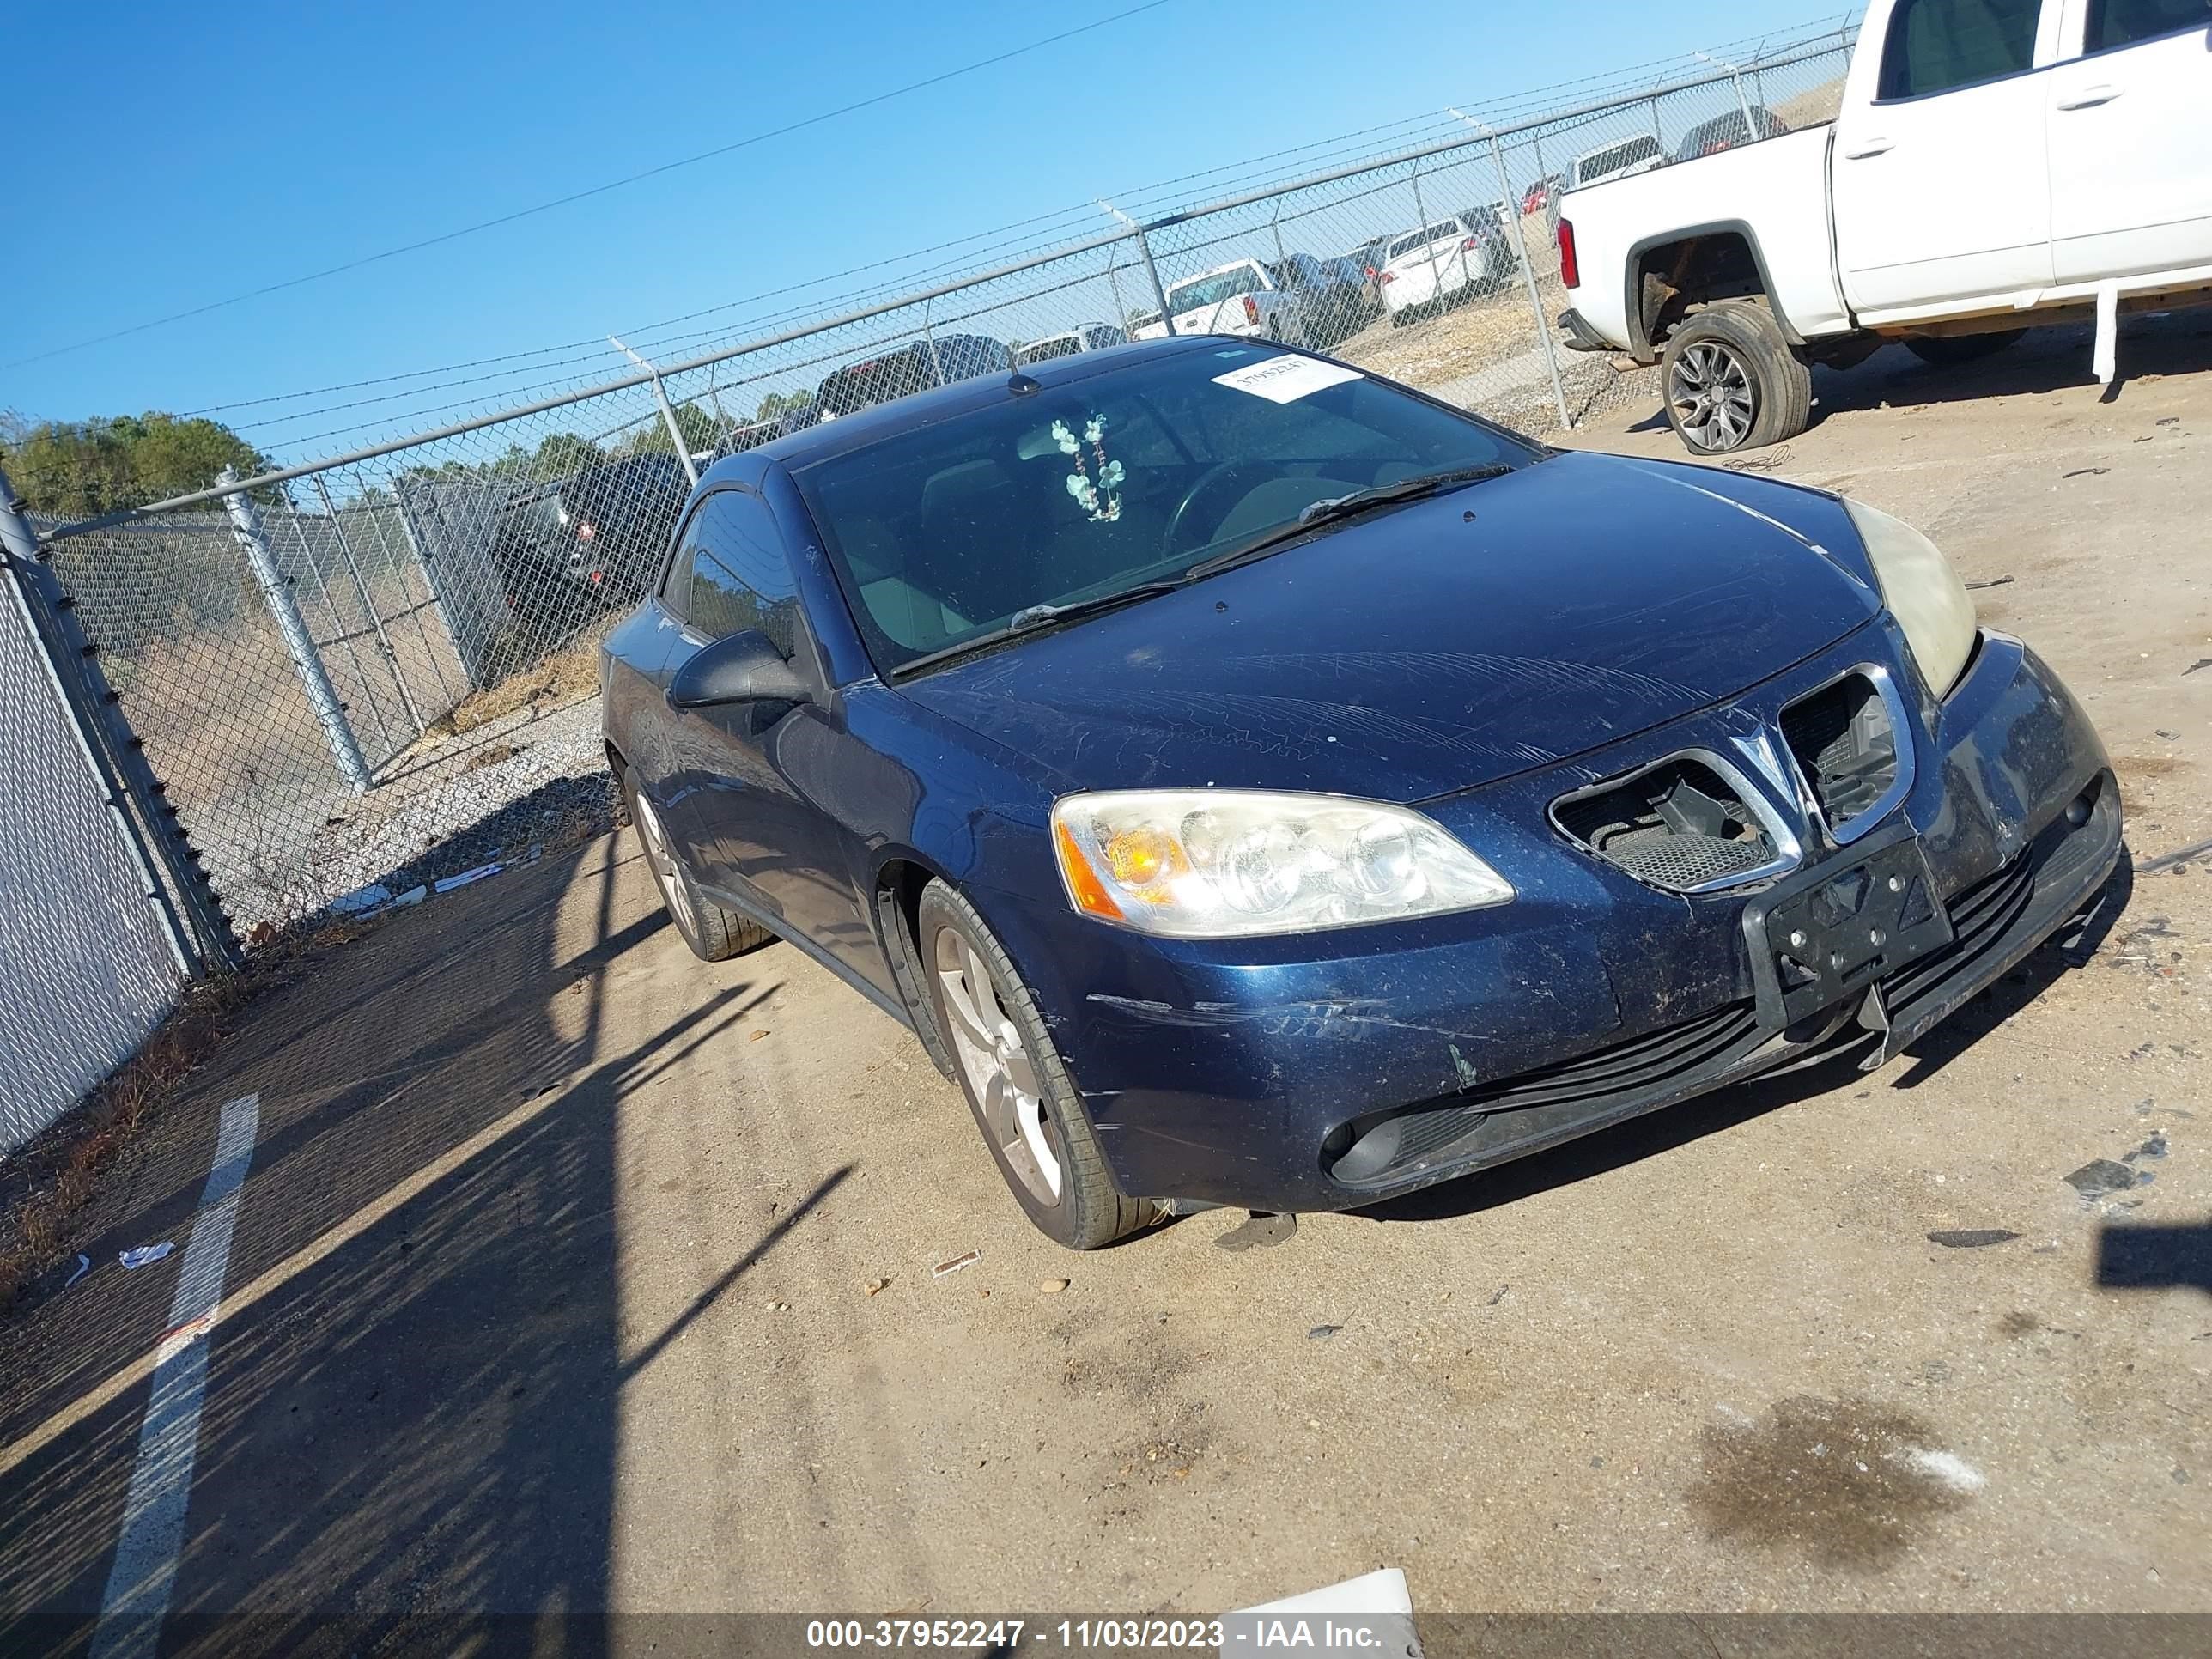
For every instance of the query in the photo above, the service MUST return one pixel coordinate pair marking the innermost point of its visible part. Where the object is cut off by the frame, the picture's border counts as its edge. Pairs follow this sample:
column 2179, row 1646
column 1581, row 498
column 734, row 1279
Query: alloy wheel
column 661, row 857
column 1000, row 1074
column 1712, row 393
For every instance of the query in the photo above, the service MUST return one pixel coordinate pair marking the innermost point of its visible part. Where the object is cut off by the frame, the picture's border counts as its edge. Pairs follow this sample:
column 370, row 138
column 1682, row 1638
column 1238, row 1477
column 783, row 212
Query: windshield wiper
column 1036, row 614
column 1030, row 618
column 1405, row 489
column 1335, row 509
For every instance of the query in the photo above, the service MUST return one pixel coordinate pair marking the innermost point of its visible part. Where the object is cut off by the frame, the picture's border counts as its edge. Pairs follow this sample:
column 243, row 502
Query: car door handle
column 1867, row 148
column 2090, row 97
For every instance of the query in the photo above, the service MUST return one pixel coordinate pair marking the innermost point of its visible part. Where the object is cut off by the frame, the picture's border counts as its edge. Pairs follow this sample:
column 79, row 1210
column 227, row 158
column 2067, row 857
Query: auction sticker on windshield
column 1286, row 378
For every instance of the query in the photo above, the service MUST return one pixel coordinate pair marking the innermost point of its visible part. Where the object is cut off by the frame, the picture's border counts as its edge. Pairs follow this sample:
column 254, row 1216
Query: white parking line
column 137, row 1599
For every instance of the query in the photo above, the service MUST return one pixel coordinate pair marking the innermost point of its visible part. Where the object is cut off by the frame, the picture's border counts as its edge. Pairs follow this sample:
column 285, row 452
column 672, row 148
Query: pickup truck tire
column 1951, row 351
column 1731, row 381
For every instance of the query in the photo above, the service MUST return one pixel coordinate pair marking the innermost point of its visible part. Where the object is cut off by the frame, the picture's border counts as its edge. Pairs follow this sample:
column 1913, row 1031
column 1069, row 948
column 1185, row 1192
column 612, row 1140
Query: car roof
column 919, row 409
column 1218, row 270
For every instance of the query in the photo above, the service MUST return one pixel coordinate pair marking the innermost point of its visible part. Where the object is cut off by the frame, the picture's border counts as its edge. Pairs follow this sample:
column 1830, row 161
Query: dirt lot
column 548, row 1289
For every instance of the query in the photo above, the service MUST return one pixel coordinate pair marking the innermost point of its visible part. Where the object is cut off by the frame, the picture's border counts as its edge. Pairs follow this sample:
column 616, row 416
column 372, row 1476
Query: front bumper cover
column 1254, row 1073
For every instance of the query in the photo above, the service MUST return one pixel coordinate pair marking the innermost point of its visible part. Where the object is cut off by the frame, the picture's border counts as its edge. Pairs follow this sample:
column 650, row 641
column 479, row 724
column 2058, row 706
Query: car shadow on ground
column 1669, row 1127
column 412, row 1410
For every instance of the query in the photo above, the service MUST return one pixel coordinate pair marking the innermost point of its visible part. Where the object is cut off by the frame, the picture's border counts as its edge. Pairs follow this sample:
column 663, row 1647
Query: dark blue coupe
column 1256, row 782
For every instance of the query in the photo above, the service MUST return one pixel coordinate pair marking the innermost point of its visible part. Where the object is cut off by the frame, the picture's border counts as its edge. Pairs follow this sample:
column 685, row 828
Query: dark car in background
column 909, row 369
column 569, row 551
column 1332, row 300
column 1730, row 131
column 1257, row 783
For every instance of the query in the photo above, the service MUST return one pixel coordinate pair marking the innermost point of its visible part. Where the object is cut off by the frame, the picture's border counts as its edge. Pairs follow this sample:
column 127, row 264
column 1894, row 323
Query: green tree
column 697, row 426
column 563, row 454
column 81, row 469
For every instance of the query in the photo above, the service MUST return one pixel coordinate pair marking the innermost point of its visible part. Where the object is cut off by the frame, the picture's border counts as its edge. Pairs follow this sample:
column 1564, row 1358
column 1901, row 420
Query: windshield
column 1447, row 231
column 1212, row 290
column 943, row 533
column 1060, row 345
column 1613, row 160
column 861, row 385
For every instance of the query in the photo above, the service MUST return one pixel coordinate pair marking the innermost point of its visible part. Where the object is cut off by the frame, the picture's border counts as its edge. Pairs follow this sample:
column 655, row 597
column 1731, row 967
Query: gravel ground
column 533, row 778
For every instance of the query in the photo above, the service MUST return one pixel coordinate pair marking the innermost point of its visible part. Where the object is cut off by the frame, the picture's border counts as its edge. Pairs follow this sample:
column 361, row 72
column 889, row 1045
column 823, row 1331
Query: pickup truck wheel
column 1732, row 382
column 1950, row 350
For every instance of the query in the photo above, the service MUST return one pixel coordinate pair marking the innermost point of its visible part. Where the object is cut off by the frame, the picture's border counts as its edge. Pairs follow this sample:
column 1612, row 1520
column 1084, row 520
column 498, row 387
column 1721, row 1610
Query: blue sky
column 160, row 160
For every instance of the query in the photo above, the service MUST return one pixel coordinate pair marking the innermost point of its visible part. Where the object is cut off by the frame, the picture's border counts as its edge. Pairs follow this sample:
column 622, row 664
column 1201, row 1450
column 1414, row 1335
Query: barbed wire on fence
column 300, row 665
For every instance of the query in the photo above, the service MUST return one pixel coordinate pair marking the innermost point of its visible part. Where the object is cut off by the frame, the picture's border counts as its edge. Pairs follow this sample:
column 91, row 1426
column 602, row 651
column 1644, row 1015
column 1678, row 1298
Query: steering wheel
column 1209, row 480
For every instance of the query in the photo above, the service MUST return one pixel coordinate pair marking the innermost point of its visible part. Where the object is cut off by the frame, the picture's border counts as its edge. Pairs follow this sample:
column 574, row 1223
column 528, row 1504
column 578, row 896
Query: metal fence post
column 1144, row 249
column 1421, row 213
column 1159, row 291
column 330, row 607
column 1535, row 297
column 277, row 593
column 1114, row 281
column 1751, row 132
column 369, row 603
column 198, row 930
column 667, row 414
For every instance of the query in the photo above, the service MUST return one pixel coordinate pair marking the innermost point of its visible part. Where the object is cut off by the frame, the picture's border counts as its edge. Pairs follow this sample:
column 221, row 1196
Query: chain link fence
column 88, row 968
column 300, row 651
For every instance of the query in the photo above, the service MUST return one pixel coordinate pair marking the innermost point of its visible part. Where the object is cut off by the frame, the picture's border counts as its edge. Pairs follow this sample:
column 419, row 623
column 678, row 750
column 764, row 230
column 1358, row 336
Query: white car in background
column 1083, row 336
column 1434, row 265
column 1233, row 299
column 1622, row 158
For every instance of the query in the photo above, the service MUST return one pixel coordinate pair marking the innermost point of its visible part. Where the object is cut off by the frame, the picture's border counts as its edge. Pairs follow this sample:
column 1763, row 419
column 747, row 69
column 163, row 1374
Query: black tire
column 1953, row 350
column 714, row 934
column 1731, row 381
column 1073, row 1203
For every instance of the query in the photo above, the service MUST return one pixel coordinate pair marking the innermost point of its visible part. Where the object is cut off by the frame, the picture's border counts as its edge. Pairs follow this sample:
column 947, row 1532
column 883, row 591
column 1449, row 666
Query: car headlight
column 1225, row 863
column 1923, row 591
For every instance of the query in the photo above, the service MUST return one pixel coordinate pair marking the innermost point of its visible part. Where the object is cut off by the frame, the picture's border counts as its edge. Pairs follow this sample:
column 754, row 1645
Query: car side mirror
column 741, row 667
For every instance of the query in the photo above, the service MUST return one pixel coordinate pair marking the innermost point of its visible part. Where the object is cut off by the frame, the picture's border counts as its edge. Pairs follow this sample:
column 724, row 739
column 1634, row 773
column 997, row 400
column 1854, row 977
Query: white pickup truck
column 1994, row 164
column 1241, row 298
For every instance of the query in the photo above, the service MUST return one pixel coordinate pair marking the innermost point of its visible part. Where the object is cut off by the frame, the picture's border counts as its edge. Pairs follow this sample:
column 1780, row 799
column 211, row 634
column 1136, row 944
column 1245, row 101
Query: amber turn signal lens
column 1083, row 883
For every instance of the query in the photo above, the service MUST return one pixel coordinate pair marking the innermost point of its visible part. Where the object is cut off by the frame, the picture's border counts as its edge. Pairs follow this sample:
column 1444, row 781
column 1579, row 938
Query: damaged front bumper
column 1332, row 1070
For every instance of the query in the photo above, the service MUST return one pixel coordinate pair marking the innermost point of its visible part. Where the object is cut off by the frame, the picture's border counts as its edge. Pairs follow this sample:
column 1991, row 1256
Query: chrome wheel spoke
column 1710, row 393
column 1001, row 1077
column 960, row 1005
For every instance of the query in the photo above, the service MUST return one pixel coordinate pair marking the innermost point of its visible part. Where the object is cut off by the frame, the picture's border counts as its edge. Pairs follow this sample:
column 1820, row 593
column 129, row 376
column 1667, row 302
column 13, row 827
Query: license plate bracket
column 1829, row 933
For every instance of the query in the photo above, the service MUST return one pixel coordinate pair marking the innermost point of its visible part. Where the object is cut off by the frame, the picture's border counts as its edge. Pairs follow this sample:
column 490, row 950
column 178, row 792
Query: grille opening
column 1845, row 745
column 1679, row 825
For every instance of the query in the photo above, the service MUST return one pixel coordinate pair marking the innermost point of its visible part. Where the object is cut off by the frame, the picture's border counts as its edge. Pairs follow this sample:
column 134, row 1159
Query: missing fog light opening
column 1685, row 824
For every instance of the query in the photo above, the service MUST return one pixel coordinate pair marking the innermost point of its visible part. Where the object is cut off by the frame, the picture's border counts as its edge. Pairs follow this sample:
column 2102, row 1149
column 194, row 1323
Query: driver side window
column 730, row 571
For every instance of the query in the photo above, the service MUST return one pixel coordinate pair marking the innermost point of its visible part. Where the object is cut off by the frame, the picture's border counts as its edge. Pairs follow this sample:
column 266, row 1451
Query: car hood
column 1434, row 648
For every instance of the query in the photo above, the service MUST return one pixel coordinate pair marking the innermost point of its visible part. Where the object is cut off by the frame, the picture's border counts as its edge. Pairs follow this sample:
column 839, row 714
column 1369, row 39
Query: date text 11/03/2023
column 1384, row 1634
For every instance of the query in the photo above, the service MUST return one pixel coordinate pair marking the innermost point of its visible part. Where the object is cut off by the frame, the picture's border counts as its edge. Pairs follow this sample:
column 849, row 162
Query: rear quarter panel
column 1775, row 192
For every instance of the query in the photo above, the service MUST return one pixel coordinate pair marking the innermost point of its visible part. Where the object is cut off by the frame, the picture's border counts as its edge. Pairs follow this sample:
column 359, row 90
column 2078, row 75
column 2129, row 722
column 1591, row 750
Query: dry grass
column 568, row 675
column 1464, row 340
column 45, row 1184
column 1811, row 109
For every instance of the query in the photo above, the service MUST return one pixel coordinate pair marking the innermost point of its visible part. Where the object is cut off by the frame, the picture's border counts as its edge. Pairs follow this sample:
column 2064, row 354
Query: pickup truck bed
column 1989, row 168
